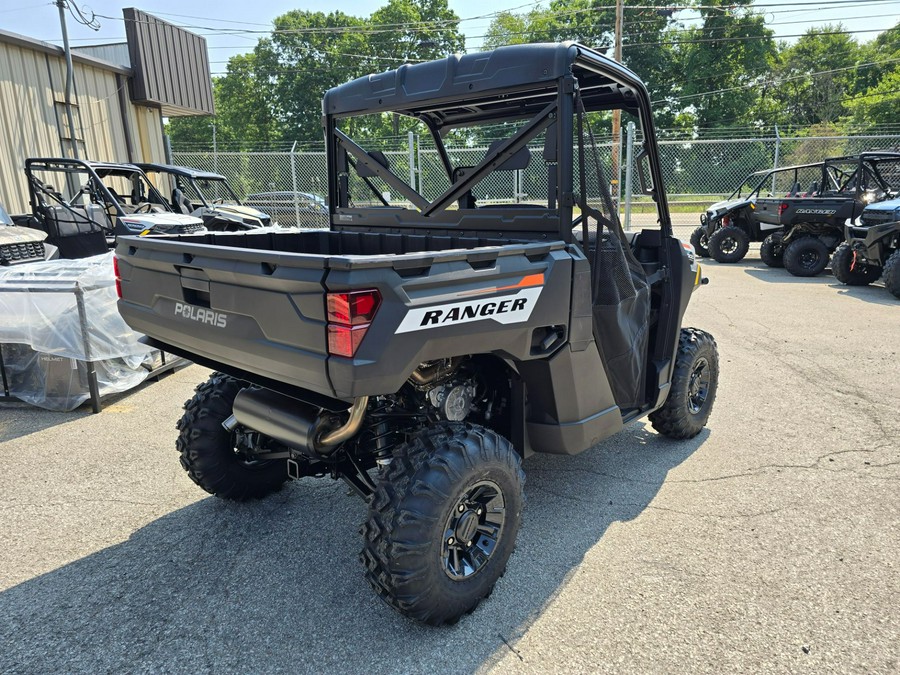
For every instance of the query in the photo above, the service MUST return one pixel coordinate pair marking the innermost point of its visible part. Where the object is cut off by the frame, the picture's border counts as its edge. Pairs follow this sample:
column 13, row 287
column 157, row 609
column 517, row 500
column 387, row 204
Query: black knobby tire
column 693, row 389
column 771, row 250
column 700, row 242
column 729, row 244
column 860, row 274
column 208, row 449
column 411, row 551
column 806, row 257
column 892, row 273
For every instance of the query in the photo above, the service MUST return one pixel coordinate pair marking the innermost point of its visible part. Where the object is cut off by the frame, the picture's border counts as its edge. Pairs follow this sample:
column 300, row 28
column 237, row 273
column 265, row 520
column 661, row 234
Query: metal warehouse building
column 120, row 95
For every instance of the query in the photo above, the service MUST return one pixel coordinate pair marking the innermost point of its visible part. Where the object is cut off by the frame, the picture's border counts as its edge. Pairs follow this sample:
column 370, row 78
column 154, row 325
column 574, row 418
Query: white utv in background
column 207, row 196
column 22, row 244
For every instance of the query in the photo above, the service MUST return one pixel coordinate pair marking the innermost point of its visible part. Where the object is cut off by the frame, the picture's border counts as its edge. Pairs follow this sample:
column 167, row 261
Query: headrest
column 378, row 156
column 520, row 160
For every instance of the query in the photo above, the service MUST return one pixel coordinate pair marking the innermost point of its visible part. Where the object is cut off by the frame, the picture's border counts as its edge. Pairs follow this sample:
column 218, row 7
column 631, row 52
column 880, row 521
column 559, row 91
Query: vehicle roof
column 462, row 88
column 186, row 171
column 872, row 155
column 811, row 165
column 286, row 193
column 66, row 161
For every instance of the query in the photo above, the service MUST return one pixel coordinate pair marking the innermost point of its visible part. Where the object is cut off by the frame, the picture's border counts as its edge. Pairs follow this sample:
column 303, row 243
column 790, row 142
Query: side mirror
column 643, row 173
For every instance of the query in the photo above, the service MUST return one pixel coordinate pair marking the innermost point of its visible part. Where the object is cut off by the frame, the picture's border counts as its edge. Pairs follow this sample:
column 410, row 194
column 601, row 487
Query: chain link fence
column 696, row 172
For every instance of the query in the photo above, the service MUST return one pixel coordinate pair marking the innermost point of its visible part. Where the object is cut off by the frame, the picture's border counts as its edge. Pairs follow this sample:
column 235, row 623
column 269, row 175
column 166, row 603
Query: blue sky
column 40, row 19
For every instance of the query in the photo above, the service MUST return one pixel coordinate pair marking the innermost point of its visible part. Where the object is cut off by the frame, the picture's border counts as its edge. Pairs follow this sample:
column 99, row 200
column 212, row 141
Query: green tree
column 884, row 50
column 245, row 116
column 414, row 30
column 878, row 105
column 722, row 61
column 308, row 53
column 815, row 75
column 245, row 110
column 645, row 48
column 195, row 131
column 508, row 28
column 814, row 144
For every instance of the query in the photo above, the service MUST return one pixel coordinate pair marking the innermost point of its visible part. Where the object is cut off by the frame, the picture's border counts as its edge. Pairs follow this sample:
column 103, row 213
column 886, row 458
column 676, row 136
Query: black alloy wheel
column 771, row 250
column 849, row 269
column 698, row 387
column 473, row 530
column 692, row 390
column 443, row 521
column 700, row 241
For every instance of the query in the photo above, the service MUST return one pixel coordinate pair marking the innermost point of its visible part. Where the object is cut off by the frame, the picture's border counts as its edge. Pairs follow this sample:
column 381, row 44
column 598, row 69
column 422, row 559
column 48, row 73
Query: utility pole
column 61, row 4
column 617, row 114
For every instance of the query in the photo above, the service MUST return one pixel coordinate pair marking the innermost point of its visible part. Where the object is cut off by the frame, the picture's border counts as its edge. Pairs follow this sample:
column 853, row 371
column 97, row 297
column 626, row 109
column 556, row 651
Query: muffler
column 292, row 422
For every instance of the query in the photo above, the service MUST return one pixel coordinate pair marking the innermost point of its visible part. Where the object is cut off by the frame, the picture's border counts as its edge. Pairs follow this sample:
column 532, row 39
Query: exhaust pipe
column 292, row 422
column 349, row 429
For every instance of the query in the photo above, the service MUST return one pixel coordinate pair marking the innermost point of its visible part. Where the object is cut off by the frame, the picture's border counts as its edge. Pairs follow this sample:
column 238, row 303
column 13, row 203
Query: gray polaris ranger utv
column 436, row 336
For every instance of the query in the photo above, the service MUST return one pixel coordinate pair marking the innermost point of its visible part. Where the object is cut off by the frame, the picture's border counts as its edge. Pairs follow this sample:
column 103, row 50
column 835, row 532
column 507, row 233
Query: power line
column 747, row 38
column 355, row 29
column 452, row 24
column 751, row 85
column 624, row 46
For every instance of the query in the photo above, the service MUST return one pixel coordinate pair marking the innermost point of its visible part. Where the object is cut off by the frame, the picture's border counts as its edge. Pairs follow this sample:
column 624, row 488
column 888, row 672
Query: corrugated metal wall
column 32, row 118
column 170, row 64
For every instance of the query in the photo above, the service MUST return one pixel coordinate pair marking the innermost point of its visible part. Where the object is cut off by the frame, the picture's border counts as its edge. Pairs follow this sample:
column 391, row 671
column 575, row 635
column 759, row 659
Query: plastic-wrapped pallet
column 55, row 318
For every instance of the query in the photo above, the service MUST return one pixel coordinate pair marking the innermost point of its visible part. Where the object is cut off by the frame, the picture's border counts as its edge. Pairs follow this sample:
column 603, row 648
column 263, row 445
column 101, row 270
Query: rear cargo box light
column 116, row 273
column 783, row 207
column 349, row 316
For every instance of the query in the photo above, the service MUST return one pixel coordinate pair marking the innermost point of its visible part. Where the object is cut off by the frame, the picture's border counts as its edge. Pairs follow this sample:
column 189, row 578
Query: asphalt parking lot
column 767, row 544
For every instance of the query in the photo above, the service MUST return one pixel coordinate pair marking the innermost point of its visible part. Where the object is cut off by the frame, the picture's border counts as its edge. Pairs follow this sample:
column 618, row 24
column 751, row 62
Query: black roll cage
column 538, row 83
column 96, row 172
column 180, row 178
column 766, row 174
column 866, row 164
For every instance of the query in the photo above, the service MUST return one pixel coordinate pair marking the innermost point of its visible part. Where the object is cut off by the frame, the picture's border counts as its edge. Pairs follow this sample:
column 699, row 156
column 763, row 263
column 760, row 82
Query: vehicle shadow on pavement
column 778, row 275
column 875, row 293
column 19, row 419
column 275, row 586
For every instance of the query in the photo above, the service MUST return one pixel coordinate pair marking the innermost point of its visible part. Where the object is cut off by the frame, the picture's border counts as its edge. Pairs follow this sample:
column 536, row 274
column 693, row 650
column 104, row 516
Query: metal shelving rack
column 169, row 362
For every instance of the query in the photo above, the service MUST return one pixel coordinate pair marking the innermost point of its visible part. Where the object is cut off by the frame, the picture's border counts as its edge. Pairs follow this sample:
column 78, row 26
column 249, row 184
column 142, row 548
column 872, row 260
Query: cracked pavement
column 767, row 544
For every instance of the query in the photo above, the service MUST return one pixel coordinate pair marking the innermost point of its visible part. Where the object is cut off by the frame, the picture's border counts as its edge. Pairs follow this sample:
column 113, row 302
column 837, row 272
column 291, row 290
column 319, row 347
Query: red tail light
column 118, row 279
column 783, row 207
column 726, row 221
column 349, row 316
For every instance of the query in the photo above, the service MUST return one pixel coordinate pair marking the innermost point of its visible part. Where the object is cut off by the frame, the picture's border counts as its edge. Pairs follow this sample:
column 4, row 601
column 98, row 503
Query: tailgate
column 259, row 311
column 767, row 211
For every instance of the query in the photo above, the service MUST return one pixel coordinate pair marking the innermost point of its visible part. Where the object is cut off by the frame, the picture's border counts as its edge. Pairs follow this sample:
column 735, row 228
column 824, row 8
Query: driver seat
column 180, row 203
